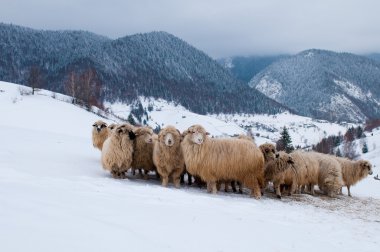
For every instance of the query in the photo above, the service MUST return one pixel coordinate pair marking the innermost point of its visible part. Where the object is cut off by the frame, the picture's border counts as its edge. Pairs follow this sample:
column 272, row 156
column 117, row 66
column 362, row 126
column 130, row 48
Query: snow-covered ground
column 54, row 196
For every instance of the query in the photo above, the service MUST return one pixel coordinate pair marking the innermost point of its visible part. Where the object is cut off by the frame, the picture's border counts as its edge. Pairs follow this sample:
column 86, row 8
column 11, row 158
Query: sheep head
column 125, row 130
column 169, row 136
column 145, row 133
column 196, row 134
column 112, row 126
column 269, row 151
column 366, row 167
column 99, row 126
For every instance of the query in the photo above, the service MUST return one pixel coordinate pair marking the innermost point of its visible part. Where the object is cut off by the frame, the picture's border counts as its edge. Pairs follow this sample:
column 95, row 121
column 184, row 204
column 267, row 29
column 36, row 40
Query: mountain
column 154, row 64
column 324, row 84
column 245, row 68
column 374, row 56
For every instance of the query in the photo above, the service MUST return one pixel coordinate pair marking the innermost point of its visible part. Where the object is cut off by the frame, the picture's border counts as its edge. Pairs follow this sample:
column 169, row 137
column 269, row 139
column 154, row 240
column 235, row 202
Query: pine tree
column 131, row 120
column 338, row 153
column 365, row 148
column 285, row 142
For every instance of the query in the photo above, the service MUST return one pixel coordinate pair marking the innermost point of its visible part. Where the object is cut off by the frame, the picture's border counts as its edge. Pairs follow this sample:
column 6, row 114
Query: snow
column 54, row 195
column 351, row 89
column 270, row 87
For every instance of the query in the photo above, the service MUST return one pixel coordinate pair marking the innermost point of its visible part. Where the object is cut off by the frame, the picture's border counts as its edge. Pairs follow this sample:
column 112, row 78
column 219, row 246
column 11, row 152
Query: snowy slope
column 304, row 131
column 54, row 195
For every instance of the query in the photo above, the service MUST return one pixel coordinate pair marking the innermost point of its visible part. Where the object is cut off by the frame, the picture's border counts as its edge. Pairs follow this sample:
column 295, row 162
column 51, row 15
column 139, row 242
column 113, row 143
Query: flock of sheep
column 214, row 162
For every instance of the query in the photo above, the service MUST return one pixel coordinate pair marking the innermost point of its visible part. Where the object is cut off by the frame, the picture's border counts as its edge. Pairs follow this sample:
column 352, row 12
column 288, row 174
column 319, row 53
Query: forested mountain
column 245, row 68
column 374, row 56
column 324, row 84
column 154, row 64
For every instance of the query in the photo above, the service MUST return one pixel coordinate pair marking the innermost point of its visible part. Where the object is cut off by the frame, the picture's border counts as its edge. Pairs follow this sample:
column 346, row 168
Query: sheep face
column 112, row 126
column 99, row 126
column 170, row 136
column 366, row 167
column 145, row 133
column 197, row 134
column 125, row 129
column 269, row 151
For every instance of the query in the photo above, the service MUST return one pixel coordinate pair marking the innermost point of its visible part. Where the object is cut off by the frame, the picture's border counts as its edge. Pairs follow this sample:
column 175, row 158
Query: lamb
column 143, row 150
column 354, row 171
column 117, row 152
column 100, row 133
column 277, row 171
column 223, row 159
column 168, row 157
column 330, row 179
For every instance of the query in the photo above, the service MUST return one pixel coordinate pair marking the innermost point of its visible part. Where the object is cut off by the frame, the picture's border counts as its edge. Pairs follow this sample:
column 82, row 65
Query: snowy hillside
column 54, row 195
column 303, row 130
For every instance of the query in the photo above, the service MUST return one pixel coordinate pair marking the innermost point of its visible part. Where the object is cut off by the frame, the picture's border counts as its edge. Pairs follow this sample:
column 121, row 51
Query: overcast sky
column 218, row 27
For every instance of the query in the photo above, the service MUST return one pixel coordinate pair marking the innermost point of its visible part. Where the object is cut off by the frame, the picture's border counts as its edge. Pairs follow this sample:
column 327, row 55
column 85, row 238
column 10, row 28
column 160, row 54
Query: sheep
column 353, row 171
column 306, row 168
column 223, row 159
column 269, row 151
column 277, row 171
column 112, row 126
column 143, row 150
column 117, row 152
column 100, row 133
column 246, row 137
column 330, row 179
column 168, row 157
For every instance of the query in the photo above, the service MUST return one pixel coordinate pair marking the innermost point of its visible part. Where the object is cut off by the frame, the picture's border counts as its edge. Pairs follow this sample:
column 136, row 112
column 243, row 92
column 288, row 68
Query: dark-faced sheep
column 354, row 171
column 118, row 150
column 99, row 134
column 143, row 150
column 222, row 160
column 168, row 157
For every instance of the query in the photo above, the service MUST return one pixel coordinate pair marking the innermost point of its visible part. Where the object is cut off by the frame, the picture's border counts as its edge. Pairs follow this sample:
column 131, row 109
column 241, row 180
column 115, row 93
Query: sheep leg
column 183, row 178
column 241, row 187
column 311, row 186
column 165, row 180
column 218, row 186
column 253, row 184
column 277, row 190
column 189, row 179
column 233, row 185
column 349, row 193
column 146, row 176
column 133, row 171
column 226, row 186
column 177, row 177
column 211, row 187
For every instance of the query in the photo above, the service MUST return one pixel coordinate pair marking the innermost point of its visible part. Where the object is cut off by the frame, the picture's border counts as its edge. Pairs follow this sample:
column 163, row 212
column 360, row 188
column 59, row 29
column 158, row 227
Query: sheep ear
column 94, row 125
column 132, row 135
column 207, row 133
column 119, row 131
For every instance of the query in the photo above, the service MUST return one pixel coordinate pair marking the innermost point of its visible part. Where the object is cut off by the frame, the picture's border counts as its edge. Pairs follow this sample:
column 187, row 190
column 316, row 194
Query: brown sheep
column 168, row 157
column 277, row 171
column 269, row 151
column 306, row 170
column 330, row 179
column 223, row 159
column 99, row 134
column 354, row 171
column 117, row 153
column 143, row 150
